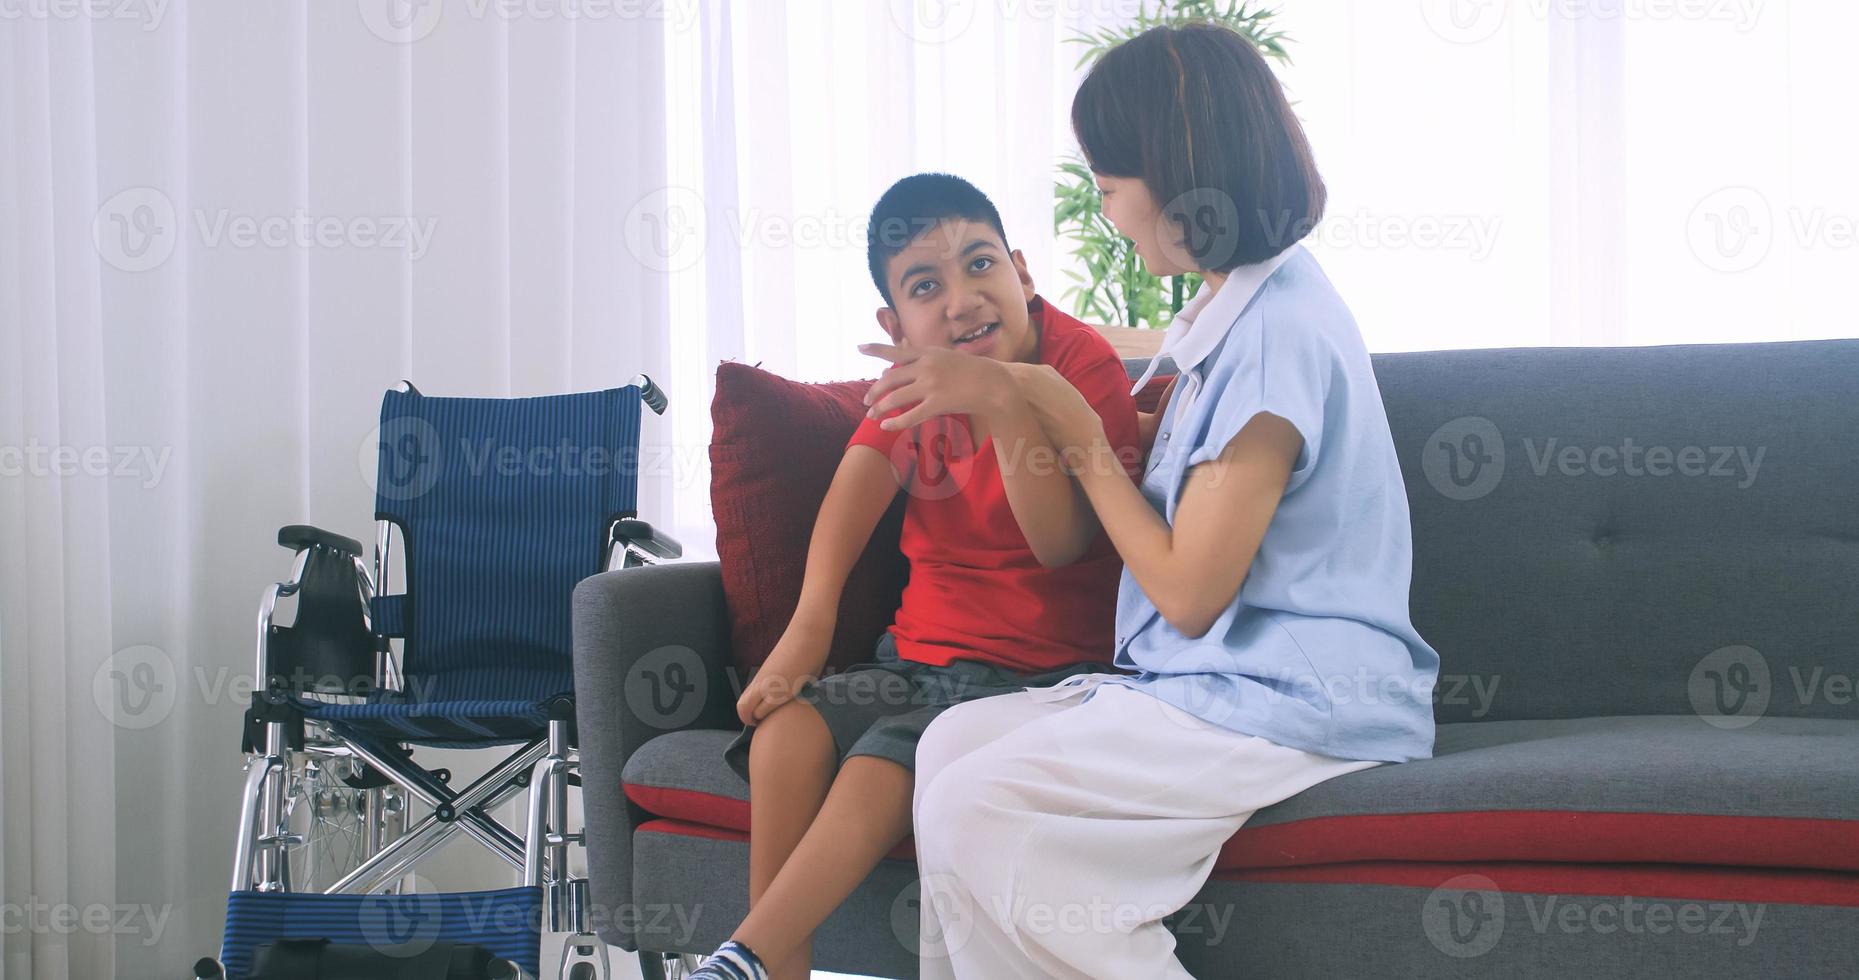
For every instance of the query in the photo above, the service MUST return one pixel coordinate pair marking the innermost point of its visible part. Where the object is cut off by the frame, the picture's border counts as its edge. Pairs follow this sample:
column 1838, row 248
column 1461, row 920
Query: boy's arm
column 862, row 490
column 1047, row 503
column 1059, row 510
column 1148, row 422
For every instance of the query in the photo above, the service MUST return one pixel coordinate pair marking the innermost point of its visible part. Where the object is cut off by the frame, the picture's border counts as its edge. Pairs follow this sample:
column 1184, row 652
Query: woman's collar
column 1187, row 345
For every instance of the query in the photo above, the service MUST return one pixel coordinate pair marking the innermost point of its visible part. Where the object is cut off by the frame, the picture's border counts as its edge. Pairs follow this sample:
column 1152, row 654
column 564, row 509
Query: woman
column 1267, row 555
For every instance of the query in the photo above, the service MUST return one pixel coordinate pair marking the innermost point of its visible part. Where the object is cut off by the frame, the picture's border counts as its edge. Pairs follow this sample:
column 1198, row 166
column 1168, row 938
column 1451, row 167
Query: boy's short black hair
column 1195, row 111
column 916, row 205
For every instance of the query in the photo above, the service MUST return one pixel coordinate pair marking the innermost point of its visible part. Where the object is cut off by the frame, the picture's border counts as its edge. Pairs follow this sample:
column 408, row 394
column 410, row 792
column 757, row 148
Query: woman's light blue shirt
column 1316, row 652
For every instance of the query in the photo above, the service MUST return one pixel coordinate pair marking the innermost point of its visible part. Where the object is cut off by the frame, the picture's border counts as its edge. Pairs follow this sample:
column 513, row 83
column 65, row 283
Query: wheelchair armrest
column 651, row 655
column 328, row 648
column 297, row 537
column 654, row 541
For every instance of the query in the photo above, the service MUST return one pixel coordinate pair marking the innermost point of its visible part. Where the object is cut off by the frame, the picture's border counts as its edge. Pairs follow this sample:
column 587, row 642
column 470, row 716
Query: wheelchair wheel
column 333, row 824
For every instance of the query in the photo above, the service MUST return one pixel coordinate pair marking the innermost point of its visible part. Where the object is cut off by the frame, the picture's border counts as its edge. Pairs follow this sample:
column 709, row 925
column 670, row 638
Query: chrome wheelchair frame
column 283, row 744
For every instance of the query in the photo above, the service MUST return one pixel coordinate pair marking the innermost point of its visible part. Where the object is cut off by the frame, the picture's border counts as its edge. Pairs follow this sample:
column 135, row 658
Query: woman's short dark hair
column 1195, row 111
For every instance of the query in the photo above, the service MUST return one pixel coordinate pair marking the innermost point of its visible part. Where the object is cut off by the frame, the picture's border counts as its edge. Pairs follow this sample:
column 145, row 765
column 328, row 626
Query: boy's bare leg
column 866, row 813
column 791, row 763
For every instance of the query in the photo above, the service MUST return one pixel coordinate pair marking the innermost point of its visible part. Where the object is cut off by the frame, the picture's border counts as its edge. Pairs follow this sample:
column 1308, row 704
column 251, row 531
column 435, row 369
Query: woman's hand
column 1071, row 424
column 936, row 382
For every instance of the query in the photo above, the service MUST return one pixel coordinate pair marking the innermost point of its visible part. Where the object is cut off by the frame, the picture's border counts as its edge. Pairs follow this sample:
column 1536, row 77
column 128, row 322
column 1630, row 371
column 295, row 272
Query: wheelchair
column 501, row 507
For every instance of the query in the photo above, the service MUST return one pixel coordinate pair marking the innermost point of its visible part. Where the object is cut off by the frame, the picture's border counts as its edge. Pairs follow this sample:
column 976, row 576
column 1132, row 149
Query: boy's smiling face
column 956, row 286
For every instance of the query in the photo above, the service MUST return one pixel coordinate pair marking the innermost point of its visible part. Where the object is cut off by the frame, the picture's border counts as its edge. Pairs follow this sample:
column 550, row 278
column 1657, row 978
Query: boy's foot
column 731, row 961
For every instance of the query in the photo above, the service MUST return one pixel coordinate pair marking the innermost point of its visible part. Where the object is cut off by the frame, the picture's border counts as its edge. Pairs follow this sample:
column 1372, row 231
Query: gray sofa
column 1640, row 567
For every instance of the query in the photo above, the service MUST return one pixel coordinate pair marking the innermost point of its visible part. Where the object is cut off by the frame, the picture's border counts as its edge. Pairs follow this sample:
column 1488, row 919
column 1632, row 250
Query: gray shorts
column 881, row 708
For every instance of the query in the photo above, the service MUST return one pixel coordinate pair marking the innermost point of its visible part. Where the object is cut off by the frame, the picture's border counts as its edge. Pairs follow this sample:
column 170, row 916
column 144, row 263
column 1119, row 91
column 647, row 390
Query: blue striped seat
column 504, row 506
column 506, row 921
column 445, row 723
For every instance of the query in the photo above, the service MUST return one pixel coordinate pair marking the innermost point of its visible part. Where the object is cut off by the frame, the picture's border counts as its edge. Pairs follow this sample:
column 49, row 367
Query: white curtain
column 225, row 229
column 1573, row 172
column 1501, row 172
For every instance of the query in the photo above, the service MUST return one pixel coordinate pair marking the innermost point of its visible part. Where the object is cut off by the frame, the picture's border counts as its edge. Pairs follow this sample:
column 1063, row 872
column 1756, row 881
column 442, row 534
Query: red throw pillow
column 775, row 447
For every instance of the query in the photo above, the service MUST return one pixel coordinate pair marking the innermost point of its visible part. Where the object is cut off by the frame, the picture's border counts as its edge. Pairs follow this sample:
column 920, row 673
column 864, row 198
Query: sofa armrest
column 651, row 655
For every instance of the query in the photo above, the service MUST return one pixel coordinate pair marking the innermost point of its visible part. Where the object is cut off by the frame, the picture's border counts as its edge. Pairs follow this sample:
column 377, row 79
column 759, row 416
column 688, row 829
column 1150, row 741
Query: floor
column 626, row 965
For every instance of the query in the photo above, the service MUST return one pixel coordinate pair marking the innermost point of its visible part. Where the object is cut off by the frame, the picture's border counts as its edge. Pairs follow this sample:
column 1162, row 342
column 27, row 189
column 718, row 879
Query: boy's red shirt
column 976, row 592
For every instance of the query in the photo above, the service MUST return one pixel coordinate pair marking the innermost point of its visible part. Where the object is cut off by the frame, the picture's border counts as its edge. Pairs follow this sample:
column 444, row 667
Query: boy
column 1011, row 583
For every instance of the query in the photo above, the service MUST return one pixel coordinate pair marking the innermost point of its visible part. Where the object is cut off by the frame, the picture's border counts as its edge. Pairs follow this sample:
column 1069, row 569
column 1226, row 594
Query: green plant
column 1115, row 288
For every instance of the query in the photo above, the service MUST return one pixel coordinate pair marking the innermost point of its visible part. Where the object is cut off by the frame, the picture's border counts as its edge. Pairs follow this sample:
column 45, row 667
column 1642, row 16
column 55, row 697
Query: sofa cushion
column 1516, row 920
column 1668, row 788
column 775, row 446
column 1656, row 789
column 682, row 775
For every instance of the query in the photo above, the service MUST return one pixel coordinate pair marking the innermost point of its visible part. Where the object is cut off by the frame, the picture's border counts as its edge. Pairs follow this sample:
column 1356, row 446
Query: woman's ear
column 1026, row 277
column 892, row 326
